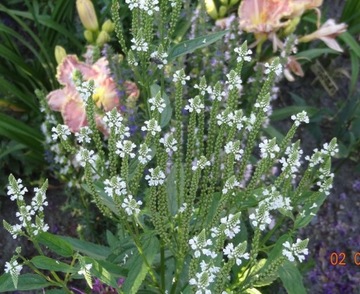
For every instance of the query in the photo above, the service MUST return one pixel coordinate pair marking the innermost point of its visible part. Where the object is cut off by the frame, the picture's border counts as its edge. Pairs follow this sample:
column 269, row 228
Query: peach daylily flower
column 292, row 66
column 68, row 101
column 263, row 16
column 327, row 33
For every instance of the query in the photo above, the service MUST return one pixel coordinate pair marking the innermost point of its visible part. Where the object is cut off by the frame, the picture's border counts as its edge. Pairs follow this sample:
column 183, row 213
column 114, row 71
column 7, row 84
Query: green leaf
column 101, row 272
column 349, row 40
column 315, row 53
column 287, row 112
column 138, row 268
column 309, row 211
column 355, row 68
column 56, row 244
column 87, row 248
column 291, row 278
column 252, row 291
column 46, row 263
column 196, row 43
column 20, row 132
column 25, row 282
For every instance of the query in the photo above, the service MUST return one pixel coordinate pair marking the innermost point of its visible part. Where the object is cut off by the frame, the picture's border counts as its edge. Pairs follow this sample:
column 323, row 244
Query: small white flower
column 85, row 89
column 13, row 267
column 151, row 126
column 243, row 54
column 180, row 76
column 330, row 149
column 39, row 200
column 113, row 119
column 169, row 143
column 299, row 118
column 157, row 103
column 85, row 156
column 125, row 148
column 61, row 131
column 268, row 148
column 156, row 177
column 297, row 249
column 273, row 67
column 16, row 189
column 160, row 58
column 201, row 282
column 201, row 163
column 84, row 135
column 234, row 148
column 139, row 44
column 234, row 80
column 115, row 186
column 85, row 269
column 131, row 206
column 144, row 154
column 230, row 184
column 231, row 224
column 195, row 105
column 199, row 245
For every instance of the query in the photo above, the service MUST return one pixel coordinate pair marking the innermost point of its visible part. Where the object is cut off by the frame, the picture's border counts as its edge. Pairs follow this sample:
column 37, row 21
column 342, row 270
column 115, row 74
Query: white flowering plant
column 197, row 204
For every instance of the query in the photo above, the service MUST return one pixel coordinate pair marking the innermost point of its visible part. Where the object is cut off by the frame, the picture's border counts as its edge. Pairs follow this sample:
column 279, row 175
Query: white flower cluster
column 61, row 131
column 27, row 213
column 157, row 103
column 297, row 249
column 149, row 6
column 85, row 156
column 152, row 126
column 234, row 148
column 325, row 180
column 195, row 105
column 203, row 88
column 300, row 117
column 243, row 54
column 274, row 200
column 160, row 58
column 125, row 148
column 291, row 163
column 139, row 44
column 16, row 190
column 131, row 206
column 156, row 177
column 236, row 253
column 234, row 80
column 250, row 122
column 230, row 225
column 217, row 93
column 144, row 154
column 268, row 149
column 116, row 186
column 263, row 104
column 230, row 184
column 83, row 135
column 199, row 244
column 169, row 143
column 260, row 218
column 275, row 67
column 13, row 268
column 202, row 282
column 85, row 89
column 113, row 119
column 329, row 149
column 230, row 118
column 179, row 76
column 201, row 163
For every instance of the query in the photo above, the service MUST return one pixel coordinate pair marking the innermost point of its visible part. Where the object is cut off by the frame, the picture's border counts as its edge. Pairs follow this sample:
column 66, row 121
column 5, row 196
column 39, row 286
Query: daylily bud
column 60, row 54
column 87, row 14
column 222, row 11
column 225, row 2
column 108, row 26
column 89, row 36
column 102, row 38
column 211, row 9
column 233, row 2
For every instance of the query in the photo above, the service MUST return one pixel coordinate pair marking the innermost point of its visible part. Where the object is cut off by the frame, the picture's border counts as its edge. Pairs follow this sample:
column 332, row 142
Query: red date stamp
column 340, row 258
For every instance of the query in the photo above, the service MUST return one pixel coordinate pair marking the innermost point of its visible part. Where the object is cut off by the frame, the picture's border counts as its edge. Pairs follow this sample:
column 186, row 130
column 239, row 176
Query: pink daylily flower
column 292, row 67
column 68, row 101
column 327, row 33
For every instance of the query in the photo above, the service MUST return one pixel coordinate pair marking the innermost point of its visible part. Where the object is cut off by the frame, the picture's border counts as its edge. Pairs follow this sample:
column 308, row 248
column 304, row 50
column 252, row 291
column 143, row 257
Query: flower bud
column 89, row 36
column 60, row 54
column 87, row 14
column 222, row 11
column 102, row 38
column 211, row 9
column 108, row 26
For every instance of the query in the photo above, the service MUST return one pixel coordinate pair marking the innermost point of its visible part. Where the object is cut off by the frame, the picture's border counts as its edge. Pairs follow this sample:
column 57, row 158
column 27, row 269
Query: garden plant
column 163, row 124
